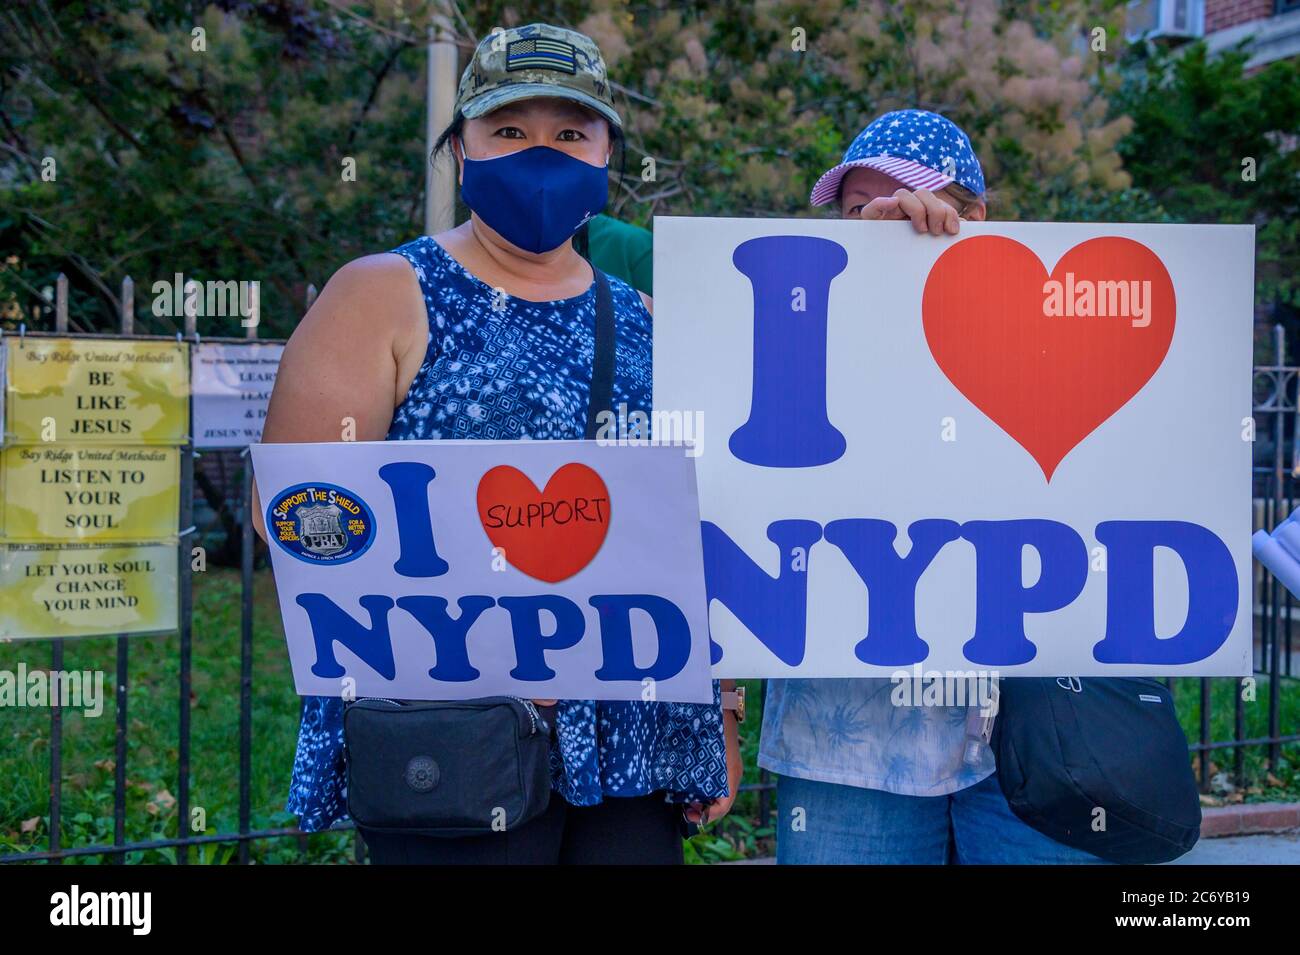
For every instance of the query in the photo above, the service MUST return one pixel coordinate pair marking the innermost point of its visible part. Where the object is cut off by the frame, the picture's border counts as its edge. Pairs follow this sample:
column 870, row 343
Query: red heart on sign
column 1048, row 358
column 549, row 534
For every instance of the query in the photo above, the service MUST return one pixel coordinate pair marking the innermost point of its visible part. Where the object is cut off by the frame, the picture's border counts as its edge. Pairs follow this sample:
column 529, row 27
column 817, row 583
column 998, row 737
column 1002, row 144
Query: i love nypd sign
column 440, row 570
column 1024, row 449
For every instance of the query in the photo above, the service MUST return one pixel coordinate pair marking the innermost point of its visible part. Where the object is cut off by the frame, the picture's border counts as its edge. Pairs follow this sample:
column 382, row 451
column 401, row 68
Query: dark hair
column 454, row 129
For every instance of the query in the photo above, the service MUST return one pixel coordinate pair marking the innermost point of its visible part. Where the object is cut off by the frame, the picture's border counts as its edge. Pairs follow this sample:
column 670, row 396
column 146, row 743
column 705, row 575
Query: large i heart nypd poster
column 440, row 570
column 1024, row 449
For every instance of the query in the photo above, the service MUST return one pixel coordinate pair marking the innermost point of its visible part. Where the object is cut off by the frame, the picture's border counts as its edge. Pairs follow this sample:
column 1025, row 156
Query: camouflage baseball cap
column 531, row 61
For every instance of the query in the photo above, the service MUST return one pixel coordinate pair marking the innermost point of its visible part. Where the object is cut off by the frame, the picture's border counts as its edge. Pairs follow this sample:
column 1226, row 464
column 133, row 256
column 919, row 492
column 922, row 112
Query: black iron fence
column 1277, row 464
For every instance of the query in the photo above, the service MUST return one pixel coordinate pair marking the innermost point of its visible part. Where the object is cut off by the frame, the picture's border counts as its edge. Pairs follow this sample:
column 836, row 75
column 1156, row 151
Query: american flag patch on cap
column 541, row 53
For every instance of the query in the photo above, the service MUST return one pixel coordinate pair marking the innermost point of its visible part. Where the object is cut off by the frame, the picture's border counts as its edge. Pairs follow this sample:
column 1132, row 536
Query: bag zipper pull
column 533, row 715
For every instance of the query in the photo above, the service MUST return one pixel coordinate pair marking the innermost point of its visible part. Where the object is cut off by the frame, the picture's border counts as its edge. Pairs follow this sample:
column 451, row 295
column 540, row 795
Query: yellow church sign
column 80, row 590
column 97, row 391
column 90, row 493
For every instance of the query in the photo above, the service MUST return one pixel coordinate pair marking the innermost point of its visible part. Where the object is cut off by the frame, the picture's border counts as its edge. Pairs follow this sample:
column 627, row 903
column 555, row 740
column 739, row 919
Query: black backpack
column 1098, row 764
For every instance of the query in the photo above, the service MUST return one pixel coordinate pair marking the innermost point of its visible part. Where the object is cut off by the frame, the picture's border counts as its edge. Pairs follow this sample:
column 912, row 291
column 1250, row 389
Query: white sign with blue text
column 232, row 383
column 1024, row 450
column 440, row 570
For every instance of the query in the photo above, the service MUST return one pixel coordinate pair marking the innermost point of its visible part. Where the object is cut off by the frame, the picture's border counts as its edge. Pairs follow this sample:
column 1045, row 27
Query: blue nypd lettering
column 774, row 609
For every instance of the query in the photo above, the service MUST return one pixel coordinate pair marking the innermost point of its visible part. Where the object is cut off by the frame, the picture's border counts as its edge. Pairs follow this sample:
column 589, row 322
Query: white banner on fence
column 232, row 385
column 457, row 569
column 1025, row 449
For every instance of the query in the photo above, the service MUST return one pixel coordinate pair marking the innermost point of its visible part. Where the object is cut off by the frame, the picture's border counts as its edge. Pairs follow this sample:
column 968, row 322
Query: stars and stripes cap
column 531, row 61
column 920, row 149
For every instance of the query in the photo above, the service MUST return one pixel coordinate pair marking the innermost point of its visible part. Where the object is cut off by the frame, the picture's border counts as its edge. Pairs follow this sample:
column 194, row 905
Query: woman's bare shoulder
column 373, row 295
column 384, row 274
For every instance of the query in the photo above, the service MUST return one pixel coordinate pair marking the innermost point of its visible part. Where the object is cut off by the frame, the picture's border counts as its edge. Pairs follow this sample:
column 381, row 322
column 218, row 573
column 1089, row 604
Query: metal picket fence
column 1275, row 477
column 117, row 850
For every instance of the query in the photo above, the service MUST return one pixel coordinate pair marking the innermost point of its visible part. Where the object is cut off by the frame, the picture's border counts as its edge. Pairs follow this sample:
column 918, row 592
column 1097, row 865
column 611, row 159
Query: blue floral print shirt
column 851, row 732
column 503, row 368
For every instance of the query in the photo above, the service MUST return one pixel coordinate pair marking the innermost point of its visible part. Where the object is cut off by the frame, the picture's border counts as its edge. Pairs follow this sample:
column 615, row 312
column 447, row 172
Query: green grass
column 1257, row 784
column 153, row 704
column 153, row 711
column 741, row 834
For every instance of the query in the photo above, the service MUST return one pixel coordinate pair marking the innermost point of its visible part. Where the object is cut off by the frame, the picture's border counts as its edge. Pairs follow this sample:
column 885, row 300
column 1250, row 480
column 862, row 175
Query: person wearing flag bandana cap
column 880, row 778
column 909, row 164
column 487, row 331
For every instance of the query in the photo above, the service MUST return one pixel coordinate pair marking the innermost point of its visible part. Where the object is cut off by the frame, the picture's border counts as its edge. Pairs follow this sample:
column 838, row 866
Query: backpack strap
column 602, row 362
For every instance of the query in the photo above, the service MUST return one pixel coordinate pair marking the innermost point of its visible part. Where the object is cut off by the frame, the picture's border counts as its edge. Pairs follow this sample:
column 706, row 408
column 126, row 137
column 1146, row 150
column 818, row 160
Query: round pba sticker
column 321, row 523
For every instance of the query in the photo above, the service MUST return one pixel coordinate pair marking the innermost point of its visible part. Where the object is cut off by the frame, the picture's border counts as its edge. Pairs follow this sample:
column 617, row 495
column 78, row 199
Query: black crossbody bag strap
column 602, row 362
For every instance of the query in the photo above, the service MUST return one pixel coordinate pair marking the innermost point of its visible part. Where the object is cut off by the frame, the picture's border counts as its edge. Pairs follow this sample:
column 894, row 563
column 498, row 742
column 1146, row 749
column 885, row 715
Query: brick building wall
column 1221, row 14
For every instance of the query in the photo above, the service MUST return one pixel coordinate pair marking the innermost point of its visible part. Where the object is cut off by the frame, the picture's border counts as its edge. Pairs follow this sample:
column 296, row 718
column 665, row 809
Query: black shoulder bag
column 462, row 767
column 1098, row 764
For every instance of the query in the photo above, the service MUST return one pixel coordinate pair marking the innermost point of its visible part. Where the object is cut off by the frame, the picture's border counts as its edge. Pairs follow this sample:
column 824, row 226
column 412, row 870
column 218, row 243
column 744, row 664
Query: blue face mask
column 535, row 198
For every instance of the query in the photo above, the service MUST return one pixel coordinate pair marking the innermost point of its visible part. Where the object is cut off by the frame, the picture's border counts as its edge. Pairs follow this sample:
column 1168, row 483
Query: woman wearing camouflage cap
column 486, row 331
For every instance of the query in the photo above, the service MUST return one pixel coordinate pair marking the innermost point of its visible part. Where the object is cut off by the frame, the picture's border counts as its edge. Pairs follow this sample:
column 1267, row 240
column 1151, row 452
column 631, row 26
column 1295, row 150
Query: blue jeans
column 847, row 825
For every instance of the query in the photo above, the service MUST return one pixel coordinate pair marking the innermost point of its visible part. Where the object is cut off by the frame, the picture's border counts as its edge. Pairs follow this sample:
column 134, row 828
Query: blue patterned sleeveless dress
column 503, row 368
